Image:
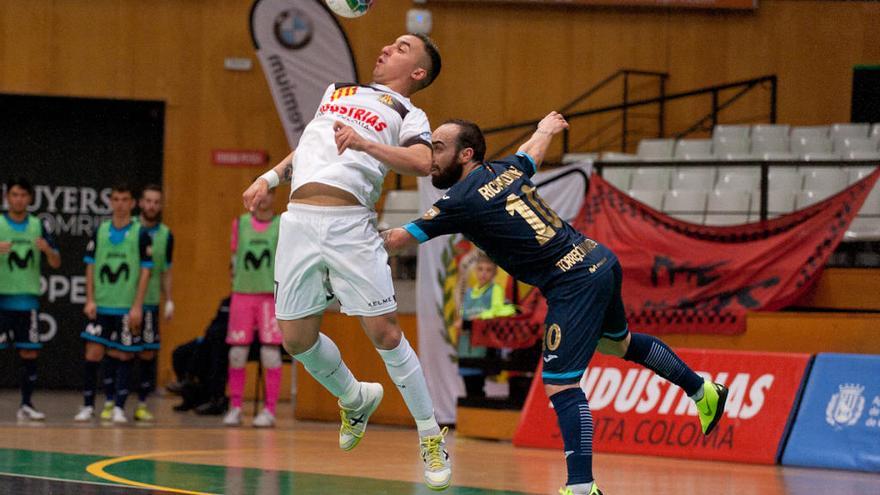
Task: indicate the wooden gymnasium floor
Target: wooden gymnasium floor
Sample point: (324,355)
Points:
(186,454)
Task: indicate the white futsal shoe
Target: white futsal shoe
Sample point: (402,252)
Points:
(86,413)
(438,470)
(233,417)
(119,416)
(354,421)
(28,413)
(264,420)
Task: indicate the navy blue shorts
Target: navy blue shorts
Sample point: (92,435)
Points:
(148,340)
(19,329)
(111,331)
(578,315)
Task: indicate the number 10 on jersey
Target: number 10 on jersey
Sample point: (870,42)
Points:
(540,217)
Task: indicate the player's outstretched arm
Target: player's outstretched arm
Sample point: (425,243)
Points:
(537,145)
(397,239)
(279,174)
(405,160)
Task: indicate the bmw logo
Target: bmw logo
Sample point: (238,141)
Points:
(293,29)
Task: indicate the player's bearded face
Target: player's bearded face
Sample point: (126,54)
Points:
(447,173)
(151,205)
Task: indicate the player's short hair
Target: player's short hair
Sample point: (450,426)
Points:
(122,187)
(22,183)
(152,187)
(469,136)
(435,62)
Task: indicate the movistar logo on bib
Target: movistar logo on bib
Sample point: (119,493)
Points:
(109,276)
(22,262)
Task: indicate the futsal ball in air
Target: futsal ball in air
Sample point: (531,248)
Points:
(349,8)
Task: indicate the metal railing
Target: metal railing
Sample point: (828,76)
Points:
(625,74)
(717,105)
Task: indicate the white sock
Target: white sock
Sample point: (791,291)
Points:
(406,372)
(324,362)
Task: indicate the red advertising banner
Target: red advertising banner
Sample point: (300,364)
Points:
(687,278)
(637,412)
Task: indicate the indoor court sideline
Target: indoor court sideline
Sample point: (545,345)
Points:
(190,455)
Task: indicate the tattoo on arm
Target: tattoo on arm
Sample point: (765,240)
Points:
(288,172)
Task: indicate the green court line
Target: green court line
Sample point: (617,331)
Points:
(214,479)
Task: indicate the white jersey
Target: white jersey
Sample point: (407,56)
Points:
(376,113)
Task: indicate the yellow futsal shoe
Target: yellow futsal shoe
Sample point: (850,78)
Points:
(107,412)
(438,470)
(711,406)
(354,421)
(567,490)
(142,413)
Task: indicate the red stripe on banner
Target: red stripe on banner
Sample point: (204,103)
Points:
(637,412)
(688,278)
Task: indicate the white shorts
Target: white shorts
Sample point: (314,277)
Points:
(331,251)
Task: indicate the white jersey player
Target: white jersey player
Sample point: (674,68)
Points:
(329,246)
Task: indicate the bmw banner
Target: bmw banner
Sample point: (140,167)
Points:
(302,49)
(838,422)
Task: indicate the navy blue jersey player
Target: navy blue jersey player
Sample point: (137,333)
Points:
(495,205)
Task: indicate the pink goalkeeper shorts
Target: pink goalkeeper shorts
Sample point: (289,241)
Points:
(249,312)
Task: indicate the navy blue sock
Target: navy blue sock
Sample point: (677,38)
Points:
(147,378)
(123,377)
(90,382)
(653,354)
(109,381)
(28,380)
(576,424)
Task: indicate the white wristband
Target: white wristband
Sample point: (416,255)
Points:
(272,178)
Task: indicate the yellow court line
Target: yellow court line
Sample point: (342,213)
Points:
(97,469)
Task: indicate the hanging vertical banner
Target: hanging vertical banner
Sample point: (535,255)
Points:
(443,261)
(302,49)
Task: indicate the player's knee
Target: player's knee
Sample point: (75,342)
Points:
(121,356)
(94,352)
(297,343)
(270,356)
(551,389)
(238,355)
(383,331)
(28,353)
(614,347)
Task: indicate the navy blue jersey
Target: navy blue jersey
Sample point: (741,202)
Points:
(498,209)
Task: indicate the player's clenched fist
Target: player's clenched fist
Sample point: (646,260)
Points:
(553,123)
(257,191)
(347,138)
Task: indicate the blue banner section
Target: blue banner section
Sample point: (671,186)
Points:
(838,423)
